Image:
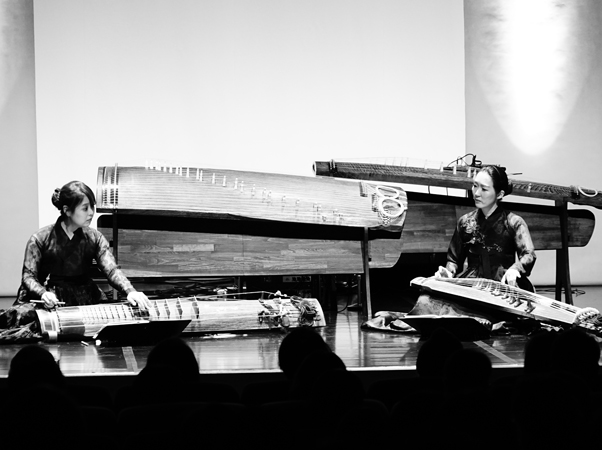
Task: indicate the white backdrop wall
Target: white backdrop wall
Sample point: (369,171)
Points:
(19,179)
(266,85)
(534,102)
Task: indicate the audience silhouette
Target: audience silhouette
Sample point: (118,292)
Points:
(538,353)
(434,353)
(576,352)
(429,377)
(295,347)
(37,385)
(452,389)
(34,365)
(313,367)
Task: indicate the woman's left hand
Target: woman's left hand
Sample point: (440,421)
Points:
(140,299)
(511,276)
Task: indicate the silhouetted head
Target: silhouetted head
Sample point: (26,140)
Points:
(175,356)
(311,369)
(538,353)
(296,346)
(34,365)
(434,353)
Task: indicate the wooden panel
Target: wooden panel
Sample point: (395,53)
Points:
(429,227)
(431,221)
(166,253)
(153,253)
(197,247)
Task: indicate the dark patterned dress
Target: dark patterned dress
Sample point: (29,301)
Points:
(489,246)
(55,263)
(484,248)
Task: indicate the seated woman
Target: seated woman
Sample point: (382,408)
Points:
(488,242)
(58,259)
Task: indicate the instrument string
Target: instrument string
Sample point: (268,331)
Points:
(528,187)
(182,308)
(309,211)
(516,292)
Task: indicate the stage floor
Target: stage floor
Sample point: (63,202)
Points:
(257,352)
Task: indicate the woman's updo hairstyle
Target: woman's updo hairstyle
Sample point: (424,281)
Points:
(499,178)
(71,195)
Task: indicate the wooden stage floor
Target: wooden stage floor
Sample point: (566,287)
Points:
(372,354)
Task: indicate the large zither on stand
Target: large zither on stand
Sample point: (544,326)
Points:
(178,222)
(432,218)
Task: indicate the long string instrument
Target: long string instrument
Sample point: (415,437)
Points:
(159,189)
(489,294)
(403,170)
(206,314)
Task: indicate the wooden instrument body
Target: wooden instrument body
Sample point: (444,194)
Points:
(206,316)
(183,246)
(432,219)
(157,246)
(449,177)
(479,293)
(203,222)
(235,195)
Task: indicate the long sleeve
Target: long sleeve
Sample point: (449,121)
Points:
(455,255)
(31,267)
(524,245)
(108,265)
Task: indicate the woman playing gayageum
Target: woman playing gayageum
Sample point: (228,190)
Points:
(57,264)
(488,242)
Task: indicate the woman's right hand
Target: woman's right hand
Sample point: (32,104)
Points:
(443,273)
(50,300)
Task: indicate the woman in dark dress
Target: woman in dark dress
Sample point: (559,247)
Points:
(488,242)
(58,259)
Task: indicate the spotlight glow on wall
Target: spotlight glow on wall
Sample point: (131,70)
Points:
(531,59)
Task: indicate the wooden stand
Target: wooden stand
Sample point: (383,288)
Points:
(367,305)
(563,273)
